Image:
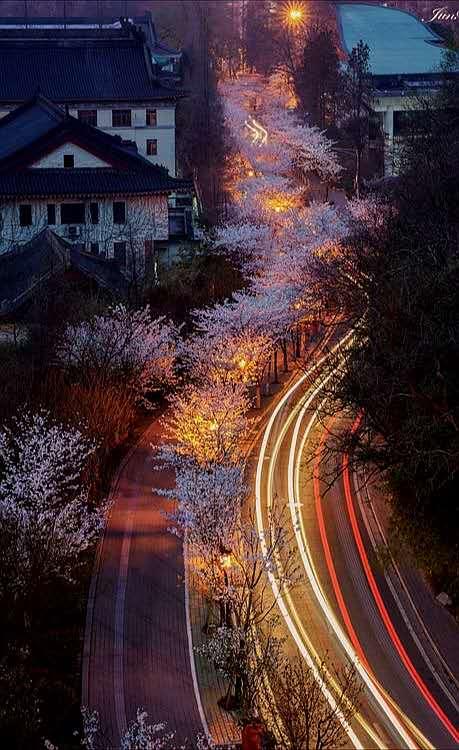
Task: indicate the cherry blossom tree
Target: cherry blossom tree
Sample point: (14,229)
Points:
(209,502)
(251,607)
(126,344)
(209,423)
(232,343)
(46,519)
(141,735)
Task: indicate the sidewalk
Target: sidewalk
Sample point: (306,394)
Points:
(221,724)
(136,651)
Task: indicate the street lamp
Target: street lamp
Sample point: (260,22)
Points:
(226,562)
(294,14)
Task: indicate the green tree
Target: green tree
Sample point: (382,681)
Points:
(318,80)
(398,279)
(357,88)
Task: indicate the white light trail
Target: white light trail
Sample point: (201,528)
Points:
(312,575)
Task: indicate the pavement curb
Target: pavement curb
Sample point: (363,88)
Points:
(89,619)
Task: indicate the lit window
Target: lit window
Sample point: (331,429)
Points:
(152,147)
(152,118)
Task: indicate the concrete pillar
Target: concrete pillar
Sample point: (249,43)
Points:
(389,141)
(389,123)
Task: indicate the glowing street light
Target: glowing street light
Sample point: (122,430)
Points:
(294,14)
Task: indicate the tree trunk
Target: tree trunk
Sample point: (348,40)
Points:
(358,168)
(276,372)
(285,354)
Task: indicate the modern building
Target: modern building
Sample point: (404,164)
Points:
(406,59)
(113,75)
(92,189)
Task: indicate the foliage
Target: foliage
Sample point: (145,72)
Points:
(398,276)
(126,345)
(140,735)
(307,719)
(317,82)
(45,516)
(357,95)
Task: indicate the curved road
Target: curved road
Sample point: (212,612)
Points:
(136,651)
(345,607)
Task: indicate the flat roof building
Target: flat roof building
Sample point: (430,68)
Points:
(406,58)
(399,42)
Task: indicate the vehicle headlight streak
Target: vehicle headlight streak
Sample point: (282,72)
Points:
(301,640)
(258,132)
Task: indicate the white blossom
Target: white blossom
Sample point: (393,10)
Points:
(209,422)
(45,517)
(126,343)
(141,735)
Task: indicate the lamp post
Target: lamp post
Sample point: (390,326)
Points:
(226,562)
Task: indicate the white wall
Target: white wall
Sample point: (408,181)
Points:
(82,158)
(140,132)
(146,218)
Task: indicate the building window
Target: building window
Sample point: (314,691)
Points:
(94,248)
(51,214)
(72,213)
(89,116)
(25,215)
(152,118)
(121,118)
(94,212)
(69,161)
(119,251)
(119,212)
(152,147)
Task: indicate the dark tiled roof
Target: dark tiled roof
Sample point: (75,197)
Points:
(88,181)
(105,272)
(70,71)
(22,128)
(44,257)
(23,268)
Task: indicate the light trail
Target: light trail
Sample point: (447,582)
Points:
(300,640)
(338,593)
(259,133)
(275,588)
(301,536)
(449,726)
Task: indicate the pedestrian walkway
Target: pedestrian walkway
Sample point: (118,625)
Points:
(136,651)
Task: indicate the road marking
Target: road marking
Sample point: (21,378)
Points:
(300,532)
(121,585)
(277,594)
(407,592)
(417,679)
(194,675)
